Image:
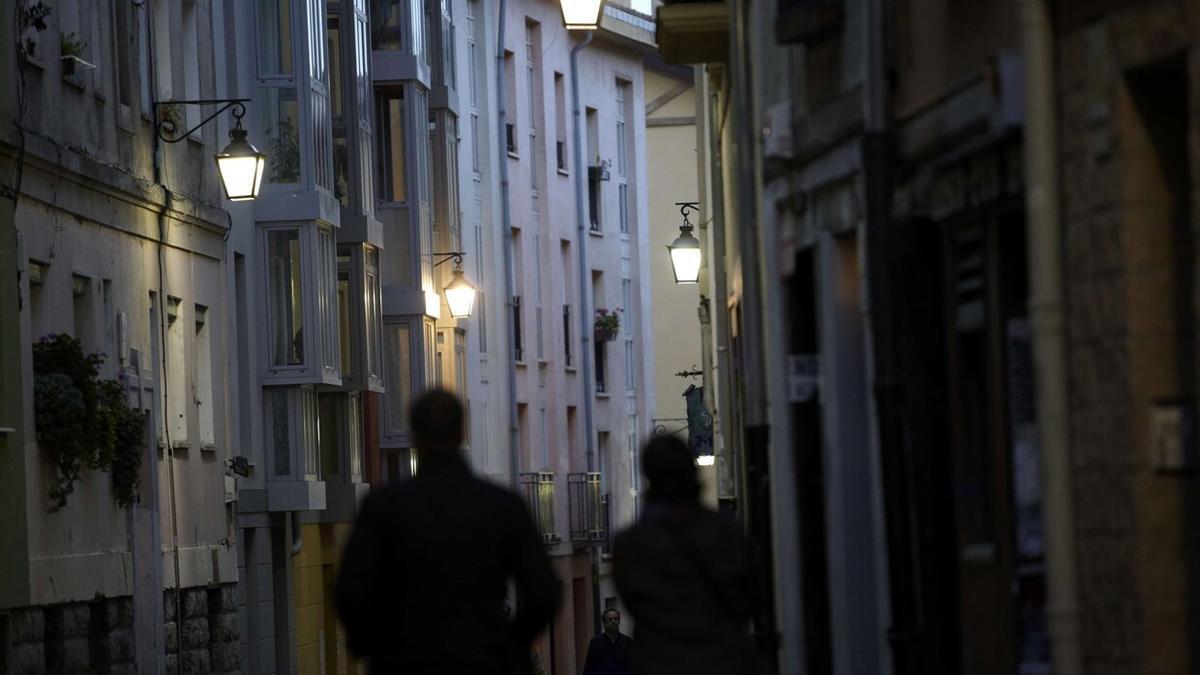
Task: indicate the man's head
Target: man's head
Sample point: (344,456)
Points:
(671,470)
(612,621)
(437,421)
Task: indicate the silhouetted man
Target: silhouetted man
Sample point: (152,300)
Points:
(685,574)
(608,652)
(424,576)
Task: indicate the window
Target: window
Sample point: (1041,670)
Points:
(460,364)
(601,366)
(281,122)
(537,296)
(392,171)
(510,102)
(623,205)
(374,299)
(518,351)
(560,121)
(532,89)
(203,380)
(622,141)
(191,64)
(345,312)
(341,156)
(399,373)
(629,365)
(286,300)
(144,73)
(327,300)
(627,305)
(566,326)
(123,37)
(329,430)
(387,25)
(596,171)
(319,128)
(174,385)
(274,38)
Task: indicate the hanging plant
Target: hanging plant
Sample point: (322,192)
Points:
(127,455)
(83,421)
(31,19)
(59,413)
(71,51)
(606,325)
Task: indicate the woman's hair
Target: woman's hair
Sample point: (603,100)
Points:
(671,470)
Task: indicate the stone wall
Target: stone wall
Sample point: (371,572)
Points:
(97,637)
(1123,335)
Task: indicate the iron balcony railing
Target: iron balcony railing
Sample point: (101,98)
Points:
(587,508)
(538,488)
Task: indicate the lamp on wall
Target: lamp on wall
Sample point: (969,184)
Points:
(685,250)
(460,294)
(581,14)
(240,164)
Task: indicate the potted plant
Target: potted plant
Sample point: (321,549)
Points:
(606,325)
(72,48)
(599,172)
(32,21)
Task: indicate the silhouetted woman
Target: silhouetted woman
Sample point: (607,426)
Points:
(684,573)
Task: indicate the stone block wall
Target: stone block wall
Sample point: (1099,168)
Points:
(96,638)
(1118,257)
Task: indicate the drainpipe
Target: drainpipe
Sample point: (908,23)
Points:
(585,314)
(158,155)
(514,448)
(1048,319)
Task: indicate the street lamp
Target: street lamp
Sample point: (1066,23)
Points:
(581,14)
(460,294)
(240,164)
(685,250)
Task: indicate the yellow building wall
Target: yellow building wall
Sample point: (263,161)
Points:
(320,638)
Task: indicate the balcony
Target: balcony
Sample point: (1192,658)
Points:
(693,32)
(589,525)
(538,489)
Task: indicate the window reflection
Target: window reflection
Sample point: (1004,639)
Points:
(387,25)
(275,37)
(281,120)
(391,147)
(287,302)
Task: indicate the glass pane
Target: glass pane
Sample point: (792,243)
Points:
(280,434)
(373,319)
(275,37)
(387,24)
(354,435)
(287,304)
(341,169)
(398,347)
(281,120)
(328,432)
(334,36)
(343,290)
(322,136)
(417,15)
(327,302)
(391,148)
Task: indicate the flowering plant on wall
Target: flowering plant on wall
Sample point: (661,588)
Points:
(82,421)
(607,324)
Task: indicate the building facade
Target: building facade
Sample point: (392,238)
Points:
(273,346)
(119,243)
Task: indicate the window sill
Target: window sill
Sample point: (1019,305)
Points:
(33,61)
(571,369)
(74,81)
(603,394)
(595,233)
(564,172)
(521,364)
(208,448)
(513,155)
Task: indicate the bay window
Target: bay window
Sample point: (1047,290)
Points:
(301,284)
(359,307)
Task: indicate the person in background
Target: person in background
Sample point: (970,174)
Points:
(685,575)
(423,579)
(608,652)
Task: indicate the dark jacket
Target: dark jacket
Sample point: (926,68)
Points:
(608,657)
(685,575)
(422,583)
